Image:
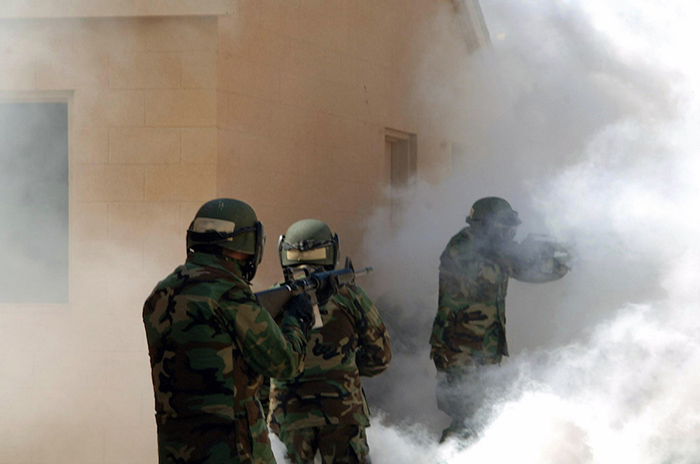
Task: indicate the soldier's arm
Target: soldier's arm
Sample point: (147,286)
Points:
(271,350)
(453,293)
(374,344)
(452,271)
(539,271)
(538,259)
(449,289)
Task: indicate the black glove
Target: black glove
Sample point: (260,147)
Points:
(325,293)
(300,307)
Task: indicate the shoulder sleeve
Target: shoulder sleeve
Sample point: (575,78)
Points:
(539,271)
(269,349)
(466,277)
(374,344)
(451,274)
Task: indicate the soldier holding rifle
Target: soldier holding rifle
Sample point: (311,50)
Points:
(324,409)
(469,330)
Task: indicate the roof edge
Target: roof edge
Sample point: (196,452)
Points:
(21,9)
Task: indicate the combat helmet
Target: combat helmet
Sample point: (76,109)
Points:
(493,210)
(310,242)
(230,224)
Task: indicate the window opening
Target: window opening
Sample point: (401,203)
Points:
(34,202)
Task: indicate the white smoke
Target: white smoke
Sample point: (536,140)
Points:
(591,135)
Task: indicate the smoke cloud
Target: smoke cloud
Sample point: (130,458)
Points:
(583,115)
(584,120)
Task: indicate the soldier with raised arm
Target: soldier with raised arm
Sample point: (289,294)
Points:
(469,330)
(324,409)
(210,343)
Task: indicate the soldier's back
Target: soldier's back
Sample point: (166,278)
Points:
(195,364)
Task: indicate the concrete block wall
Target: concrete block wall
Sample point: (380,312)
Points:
(142,98)
(283,104)
(306,91)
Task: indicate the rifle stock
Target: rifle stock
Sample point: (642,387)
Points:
(274,299)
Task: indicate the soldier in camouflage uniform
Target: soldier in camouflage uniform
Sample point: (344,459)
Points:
(469,330)
(210,343)
(324,409)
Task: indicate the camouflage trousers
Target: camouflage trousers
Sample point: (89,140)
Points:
(460,395)
(201,442)
(337,444)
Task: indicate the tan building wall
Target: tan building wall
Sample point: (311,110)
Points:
(75,383)
(282,104)
(307,91)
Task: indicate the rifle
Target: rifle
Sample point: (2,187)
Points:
(539,258)
(274,299)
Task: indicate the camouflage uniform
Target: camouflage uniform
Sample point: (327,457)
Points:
(325,408)
(471,318)
(469,330)
(210,344)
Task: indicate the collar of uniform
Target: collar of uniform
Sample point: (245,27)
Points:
(222,262)
(502,255)
(478,241)
(468,233)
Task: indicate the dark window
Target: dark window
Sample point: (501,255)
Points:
(401,151)
(401,155)
(34,202)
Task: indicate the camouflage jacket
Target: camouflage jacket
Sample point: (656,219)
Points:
(352,342)
(210,344)
(470,325)
(471,317)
